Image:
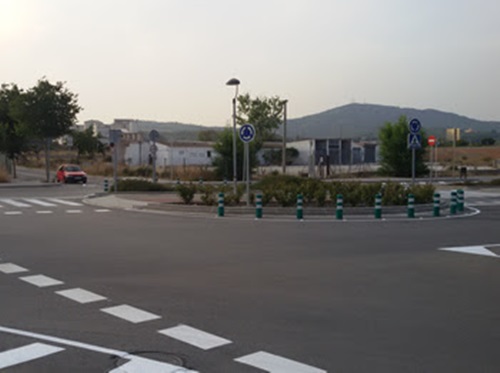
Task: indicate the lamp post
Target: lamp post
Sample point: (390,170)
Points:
(283,151)
(234,82)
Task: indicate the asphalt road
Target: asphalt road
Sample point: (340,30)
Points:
(306,297)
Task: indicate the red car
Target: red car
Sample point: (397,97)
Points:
(70,173)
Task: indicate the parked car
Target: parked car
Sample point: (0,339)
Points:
(70,173)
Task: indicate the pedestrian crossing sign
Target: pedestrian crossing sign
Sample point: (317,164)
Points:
(414,141)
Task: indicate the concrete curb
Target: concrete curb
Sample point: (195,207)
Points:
(28,185)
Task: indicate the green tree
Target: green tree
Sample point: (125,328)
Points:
(13,136)
(265,113)
(48,110)
(395,156)
(86,143)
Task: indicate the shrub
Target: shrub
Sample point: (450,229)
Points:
(186,192)
(208,194)
(286,194)
(422,193)
(137,185)
(394,194)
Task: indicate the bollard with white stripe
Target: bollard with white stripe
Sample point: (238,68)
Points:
(453,203)
(378,206)
(106,186)
(460,202)
(437,204)
(220,208)
(258,206)
(340,207)
(300,212)
(411,206)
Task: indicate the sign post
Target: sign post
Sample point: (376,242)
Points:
(247,135)
(153,149)
(431,141)
(414,143)
(114,139)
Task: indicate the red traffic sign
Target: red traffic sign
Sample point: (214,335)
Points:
(431,140)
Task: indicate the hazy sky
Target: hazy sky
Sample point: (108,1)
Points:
(169,60)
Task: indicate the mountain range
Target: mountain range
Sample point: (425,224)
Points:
(353,120)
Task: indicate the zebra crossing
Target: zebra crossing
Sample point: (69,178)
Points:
(42,206)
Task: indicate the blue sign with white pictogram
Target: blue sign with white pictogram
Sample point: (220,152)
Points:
(247,132)
(414,141)
(415,126)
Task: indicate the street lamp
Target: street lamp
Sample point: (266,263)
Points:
(234,82)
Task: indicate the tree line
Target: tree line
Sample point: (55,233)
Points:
(36,115)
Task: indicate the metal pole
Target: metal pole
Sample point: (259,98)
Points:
(432,163)
(115,166)
(235,177)
(283,156)
(153,153)
(247,169)
(413,165)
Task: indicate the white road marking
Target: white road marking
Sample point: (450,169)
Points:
(9,268)
(44,212)
(27,353)
(195,337)
(39,202)
(131,314)
(476,250)
(13,213)
(14,203)
(81,295)
(41,281)
(140,365)
(102,210)
(64,202)
(276,364)
(73,211)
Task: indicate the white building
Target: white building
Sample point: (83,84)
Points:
(175,153)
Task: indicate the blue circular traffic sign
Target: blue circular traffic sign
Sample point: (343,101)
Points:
(247,132)
(415,126)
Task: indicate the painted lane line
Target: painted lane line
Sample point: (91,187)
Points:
(13,213)
(41,281)
(475,250)
(140,365)
(44,212)
(39,202)
(64,202)
(74,211)
(195,337)
(9,268)
(276,364)
(14,203)
(27,353)
(102,210)
(81,295)
(131,314)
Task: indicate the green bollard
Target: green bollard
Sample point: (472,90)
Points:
(437,204)
(106,186)
(378,206)
(201,181)
(411,206)
(460,197)
(220,209)
(340,207)
(258,206)
(453,203)
(300,212)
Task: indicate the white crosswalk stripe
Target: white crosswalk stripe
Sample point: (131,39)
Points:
(27,353)
(64,202)
(14,203)
(39,202)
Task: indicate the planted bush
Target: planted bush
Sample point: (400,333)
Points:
(137,185)
(186,192)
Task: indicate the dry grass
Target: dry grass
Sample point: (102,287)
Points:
(485,156)
(4,176)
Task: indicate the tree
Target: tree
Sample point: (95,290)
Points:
(266,115)
(396,158)
(86,143)
(13,136)
(49,111)
(487,141)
